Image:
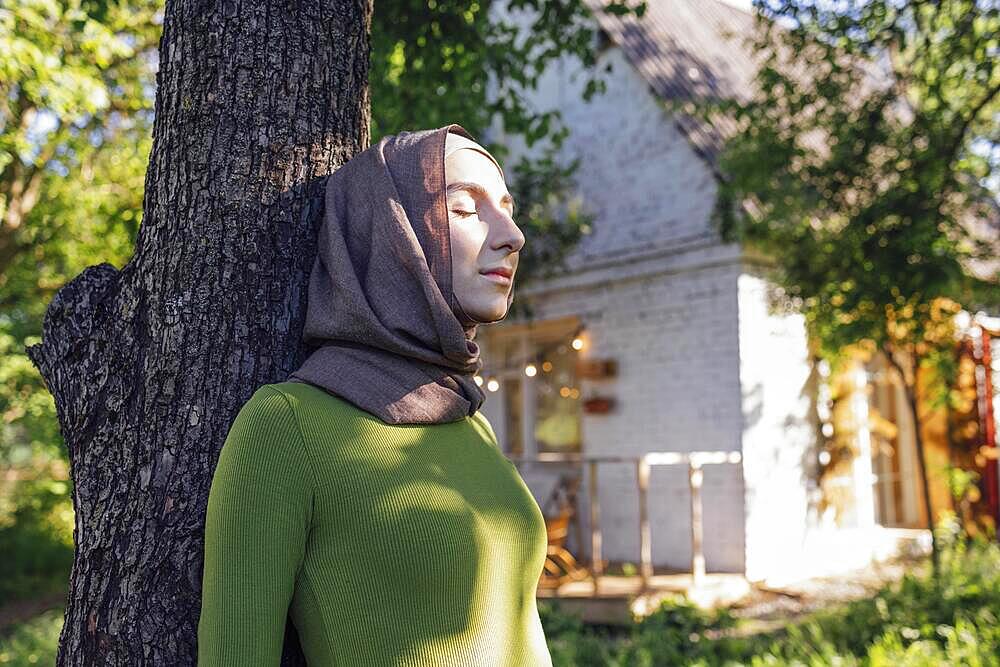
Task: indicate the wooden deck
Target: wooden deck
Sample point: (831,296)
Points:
(846,554)
(619,598)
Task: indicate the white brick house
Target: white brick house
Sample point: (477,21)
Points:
(701,362)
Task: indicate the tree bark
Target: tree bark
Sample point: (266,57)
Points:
(256,103)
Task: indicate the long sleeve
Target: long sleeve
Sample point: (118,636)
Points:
(257,521)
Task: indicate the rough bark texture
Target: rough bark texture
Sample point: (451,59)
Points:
(256,103)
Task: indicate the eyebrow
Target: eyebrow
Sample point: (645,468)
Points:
(480,190)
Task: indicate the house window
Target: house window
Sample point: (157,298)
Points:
(541,412)
(557,401)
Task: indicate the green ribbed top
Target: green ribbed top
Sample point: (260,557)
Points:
(409,545)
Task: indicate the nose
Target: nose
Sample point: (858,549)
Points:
(504,232)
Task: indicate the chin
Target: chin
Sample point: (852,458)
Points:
(491,312)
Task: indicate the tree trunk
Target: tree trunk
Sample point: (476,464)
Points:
(925,485)
(256,103)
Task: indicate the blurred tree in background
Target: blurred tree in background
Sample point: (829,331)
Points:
(865,171)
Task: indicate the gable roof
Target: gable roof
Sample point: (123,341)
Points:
(688,50)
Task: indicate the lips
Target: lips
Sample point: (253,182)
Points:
(500,271)
(500,276)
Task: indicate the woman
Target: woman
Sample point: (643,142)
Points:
(367,497)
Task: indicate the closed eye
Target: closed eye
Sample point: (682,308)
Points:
(481,192)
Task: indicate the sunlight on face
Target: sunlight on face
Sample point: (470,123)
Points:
(484,235)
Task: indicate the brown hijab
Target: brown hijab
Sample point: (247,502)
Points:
(393,339)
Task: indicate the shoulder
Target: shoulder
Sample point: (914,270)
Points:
(267,410)
(484,423)
(265,436)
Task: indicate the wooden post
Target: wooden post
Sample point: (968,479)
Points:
(596,566)
(989,422)
(695,474)
(645,542)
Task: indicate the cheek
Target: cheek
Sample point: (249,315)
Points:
(465,245)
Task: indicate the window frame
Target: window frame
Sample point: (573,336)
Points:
(525,338)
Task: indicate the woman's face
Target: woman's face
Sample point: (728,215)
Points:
(484,236)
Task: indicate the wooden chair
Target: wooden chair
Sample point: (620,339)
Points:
(559,511)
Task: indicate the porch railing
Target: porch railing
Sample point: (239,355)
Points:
(695,461)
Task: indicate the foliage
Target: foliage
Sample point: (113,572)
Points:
(34,642)
(74,81)
(675,634)
(571,642)
(75,103)
(869,147)
(36,539)
(73,149)
(439,62)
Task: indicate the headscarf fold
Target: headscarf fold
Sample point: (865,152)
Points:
(393,339)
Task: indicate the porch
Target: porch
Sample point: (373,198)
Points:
(587,587)
(602,592)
